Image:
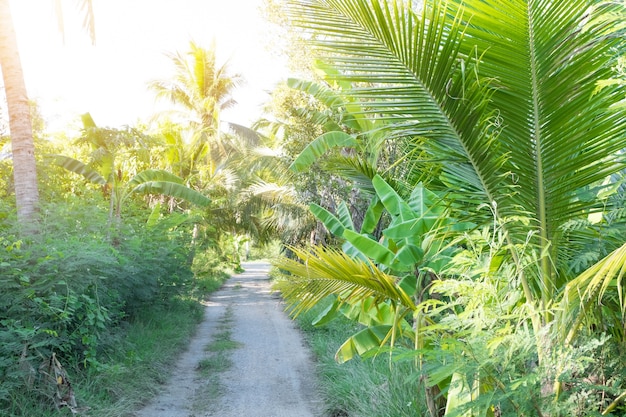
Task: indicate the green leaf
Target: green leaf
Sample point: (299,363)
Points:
(154,215)
(369,312)
(344,215)
(328,314)
(369,247)
(413,228)
(423,202)
(154,175)
(459,394)
(372,216)
(319,272)
(321,145)
(409,256)
(321,92)
(363,342)
(173,190)
(166,183)
(409,284)
(395,205)
(79,168)
(332,223)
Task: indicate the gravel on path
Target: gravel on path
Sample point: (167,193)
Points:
(272,374)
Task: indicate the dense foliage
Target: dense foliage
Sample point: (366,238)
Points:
(132,221)
(487,138)
(68,288)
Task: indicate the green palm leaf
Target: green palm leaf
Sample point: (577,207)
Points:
(501,94)
(588,291)
(321,272)
(411,74)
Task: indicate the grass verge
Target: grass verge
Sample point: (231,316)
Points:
(138,359)
(374,387)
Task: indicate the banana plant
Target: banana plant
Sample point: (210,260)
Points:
(381,283)
(147,182)
(105,171)
(413,248)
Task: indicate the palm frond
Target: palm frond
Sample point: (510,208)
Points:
(409,72)
(320,272)
(558,129)
(590,291)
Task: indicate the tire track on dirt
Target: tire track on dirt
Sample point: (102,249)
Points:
(272,374)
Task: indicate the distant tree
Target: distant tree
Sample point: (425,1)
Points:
(107,145)
(200,89)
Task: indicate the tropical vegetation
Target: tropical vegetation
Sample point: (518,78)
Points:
(445,181)
(491,251)
(132,223)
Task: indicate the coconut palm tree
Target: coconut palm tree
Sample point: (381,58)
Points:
(20,125)
(200,88)
(122,181)
(22,144)
(504,93)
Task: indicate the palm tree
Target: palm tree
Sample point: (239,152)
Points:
(200,88)
(516,114)
(122,181)
(504,97)
(22,144)
(20,125)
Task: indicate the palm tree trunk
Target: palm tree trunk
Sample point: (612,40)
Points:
(20,125)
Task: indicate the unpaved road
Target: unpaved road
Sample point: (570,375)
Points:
(271,373)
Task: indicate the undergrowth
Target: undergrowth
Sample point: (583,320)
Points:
(113,314)
(372,387)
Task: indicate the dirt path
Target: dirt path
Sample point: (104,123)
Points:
(271,373)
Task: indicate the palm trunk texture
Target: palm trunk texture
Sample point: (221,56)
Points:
(22,144)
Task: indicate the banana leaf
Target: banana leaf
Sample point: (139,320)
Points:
(321,145)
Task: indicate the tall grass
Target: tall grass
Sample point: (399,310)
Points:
(371,387)
(139,358)
(143,358)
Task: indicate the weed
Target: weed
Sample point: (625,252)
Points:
(214,363)
(221,345)
(373,387)
(217,362)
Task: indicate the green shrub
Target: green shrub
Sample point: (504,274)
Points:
(68,288)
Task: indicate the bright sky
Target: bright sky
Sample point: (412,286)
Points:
(109,79)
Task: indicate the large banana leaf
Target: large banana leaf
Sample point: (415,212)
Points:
(365,341)
(154,175)
(166,183)
(79,168)
(332,223)
(321,145)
